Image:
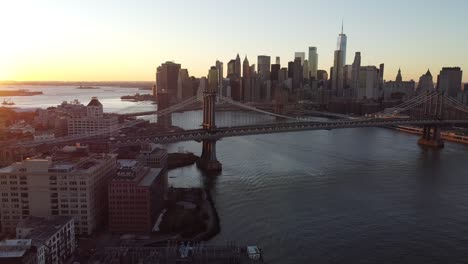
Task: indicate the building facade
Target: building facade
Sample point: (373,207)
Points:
(91,119)
(136,196)
(53,237)
(399,89)
(166,79)
(313,62)
(449,81)
(70,183)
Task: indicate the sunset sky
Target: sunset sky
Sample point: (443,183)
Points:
(125,40)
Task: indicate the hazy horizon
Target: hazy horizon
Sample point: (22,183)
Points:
(123,41)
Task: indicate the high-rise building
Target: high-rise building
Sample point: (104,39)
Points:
(166,79)
(212,80)
(300,54)
(263,64)
(275,71)
(278,60)
(337,74)
(368,83)
(341,45)
(73,182)
(184,85)
(238,70)
(298,73)
(449,81)
(231,69)
(426,83)
(246,80)
(322,75)
(356,68)
(305,69)
(313,62)
(283,74)
(219,66)
(290,69)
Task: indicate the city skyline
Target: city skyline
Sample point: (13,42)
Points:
(125,42)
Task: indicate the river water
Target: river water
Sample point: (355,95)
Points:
(367,195)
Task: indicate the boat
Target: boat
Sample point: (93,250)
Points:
(87,87)
(8,102)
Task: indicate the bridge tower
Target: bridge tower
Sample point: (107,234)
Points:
(208,160)
(432,109)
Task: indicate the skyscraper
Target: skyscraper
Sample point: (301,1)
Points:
(305,68)
(301,55)
(298,73)
(356,68)
(166,79)
(238,71)
(246,81)
(450,81)
(264,67)
(313,62)
(278,60)
(341,45)
(275,72)
(219,66)
(337,74)
(426,83)
(231,68)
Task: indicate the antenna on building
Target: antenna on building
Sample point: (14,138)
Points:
(342,26)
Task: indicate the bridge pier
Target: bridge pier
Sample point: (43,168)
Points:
(208,160)
(431,137)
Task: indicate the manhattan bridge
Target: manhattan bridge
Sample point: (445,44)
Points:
(430,111)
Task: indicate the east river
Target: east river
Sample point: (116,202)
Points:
(369,195)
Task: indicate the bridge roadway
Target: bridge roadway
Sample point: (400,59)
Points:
(201,134)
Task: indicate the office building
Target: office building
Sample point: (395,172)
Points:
(275,72)
(73,182)
(231,69)
(426,83)
(166,79)
(136,196)
(278,60)
(237,68)
(313,63)
(341,45)
(219,67)
(368,83)
(246,80)
(355,74)
(449,81)
(337,81)
(263,64)
(298,74)
(91,119)
(53,237)
(322,75)
(300,55)
(399,89)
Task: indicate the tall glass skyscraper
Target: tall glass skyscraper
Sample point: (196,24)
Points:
(313,62)
(341,44)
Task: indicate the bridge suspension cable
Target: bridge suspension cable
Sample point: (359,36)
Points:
(252,108)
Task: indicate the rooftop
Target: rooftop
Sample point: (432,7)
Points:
(94,102)
(14,248)
(41,229)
